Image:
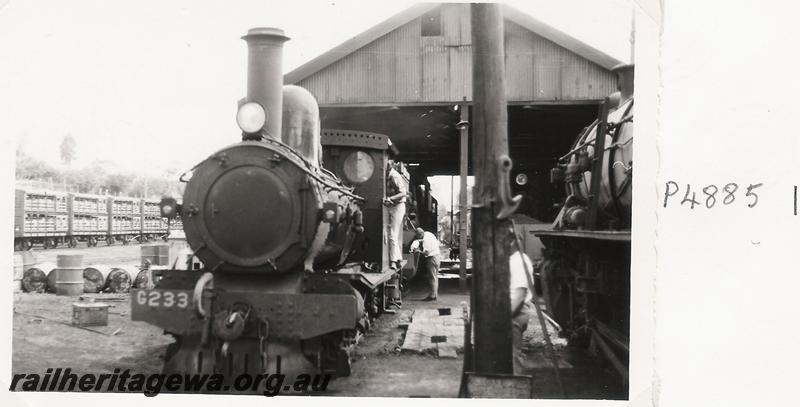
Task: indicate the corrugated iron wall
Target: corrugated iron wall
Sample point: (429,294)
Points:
(405,67)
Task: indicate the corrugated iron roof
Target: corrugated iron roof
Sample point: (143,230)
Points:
(398,20)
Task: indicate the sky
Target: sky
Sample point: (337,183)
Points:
(153,85)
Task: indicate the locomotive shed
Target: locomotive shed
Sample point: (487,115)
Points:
(410,78)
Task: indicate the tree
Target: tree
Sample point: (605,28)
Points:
(118,182)
(31,168)
(68,149)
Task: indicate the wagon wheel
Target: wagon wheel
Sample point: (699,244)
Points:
(91,241)
(54,243)
(73,242)
(48,243)
(125,240)
(110,240)
(28,243)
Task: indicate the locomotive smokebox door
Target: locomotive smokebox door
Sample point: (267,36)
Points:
(246,207)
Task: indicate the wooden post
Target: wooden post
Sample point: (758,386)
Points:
(452,206)
(462,199)
(490,291)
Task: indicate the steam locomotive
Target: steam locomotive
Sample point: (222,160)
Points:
(585,275)
(294,254)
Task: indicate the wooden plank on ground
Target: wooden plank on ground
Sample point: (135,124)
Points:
(439,332)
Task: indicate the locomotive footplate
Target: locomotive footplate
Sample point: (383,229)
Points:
(384,286)
(610,235)
(369,281)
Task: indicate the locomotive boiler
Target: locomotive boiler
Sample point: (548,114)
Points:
(294,263)
(585,275)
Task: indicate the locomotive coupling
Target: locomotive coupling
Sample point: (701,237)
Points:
(229,325)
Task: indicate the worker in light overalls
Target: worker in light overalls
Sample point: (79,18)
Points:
(395,201)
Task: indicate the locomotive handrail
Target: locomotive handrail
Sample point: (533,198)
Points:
(197,295)
(305,168)
(586,131)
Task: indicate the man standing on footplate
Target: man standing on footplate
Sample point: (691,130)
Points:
(395,202)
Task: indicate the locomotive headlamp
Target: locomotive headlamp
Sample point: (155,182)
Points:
(168,207)
(251,117)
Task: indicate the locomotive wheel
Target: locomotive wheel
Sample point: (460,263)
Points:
(91,241)
(110,240)
(124,240)
(54,243)
(73,242)
(48,243)
(28,244)
(186,355)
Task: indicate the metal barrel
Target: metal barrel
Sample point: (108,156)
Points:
(156,254)
(120,279)
(22,262)
(131,271)
(69,274)
(94,278)
(34,279)
(19,270)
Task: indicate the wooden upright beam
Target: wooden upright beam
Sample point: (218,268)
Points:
(490,291)
(462,199)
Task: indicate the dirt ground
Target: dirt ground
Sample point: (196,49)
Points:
(43,338)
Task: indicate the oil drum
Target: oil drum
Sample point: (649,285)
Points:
(69,274)
(34,279)
(94,278)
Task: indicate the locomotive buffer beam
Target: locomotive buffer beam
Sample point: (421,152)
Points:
(290,316)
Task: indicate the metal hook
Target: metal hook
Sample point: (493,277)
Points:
(508,203)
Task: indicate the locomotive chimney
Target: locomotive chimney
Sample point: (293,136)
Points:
(264,76)
(624,81)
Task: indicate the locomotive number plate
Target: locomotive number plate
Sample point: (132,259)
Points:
(177,299)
